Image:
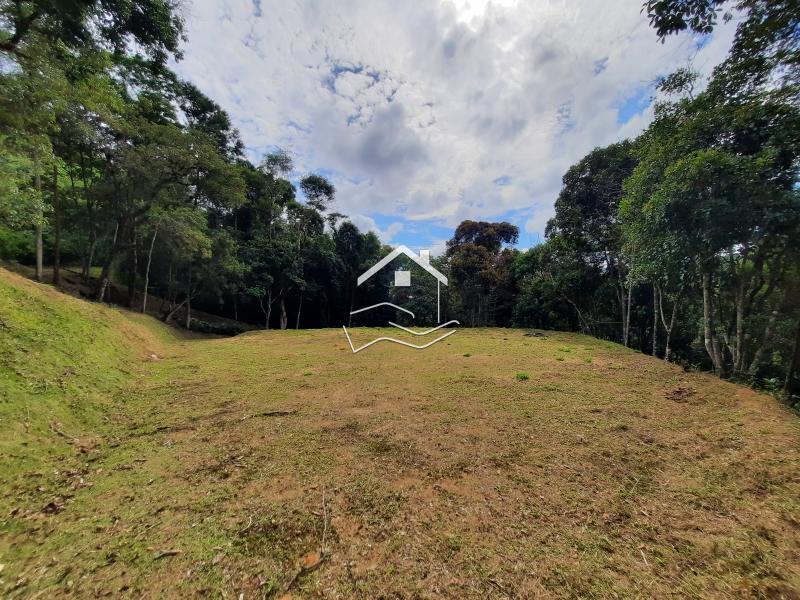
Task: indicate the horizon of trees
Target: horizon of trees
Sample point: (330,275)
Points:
(683,242)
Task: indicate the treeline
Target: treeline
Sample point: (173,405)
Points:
(683,243)
(138,180)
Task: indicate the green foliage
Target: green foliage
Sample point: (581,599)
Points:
(21,205)
(481,271)
(689,233)
(668,17)
(319,192)
(154,25)
(766,48)
(224,328)
(687,236)
(278,163)
(15,244)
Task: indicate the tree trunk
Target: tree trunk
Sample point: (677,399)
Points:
(133,266)
(170,286)
(738,349)
(106,274)
(623,301)
(765,343)
(57,241)
(269,309)
(87,269)
(655,320)
(147,270)
(626,331)
(709,332)
(795,361)
(284,318)
(668,328)
(189,300)
(265,311)
(350,314)
(299,308)
(173,310)
(38,233)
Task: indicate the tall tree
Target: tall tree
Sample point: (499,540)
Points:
(319,192)
(587,223)
(480,268)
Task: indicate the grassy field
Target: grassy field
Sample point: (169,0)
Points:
(140,462)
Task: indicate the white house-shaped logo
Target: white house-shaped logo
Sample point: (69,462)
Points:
(403,278)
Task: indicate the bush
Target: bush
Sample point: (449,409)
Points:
(217,328)
(17,245)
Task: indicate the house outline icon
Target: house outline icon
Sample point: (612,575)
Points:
(402,278)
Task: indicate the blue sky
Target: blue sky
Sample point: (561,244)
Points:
(430,112)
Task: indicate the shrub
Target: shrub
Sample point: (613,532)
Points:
(217,328)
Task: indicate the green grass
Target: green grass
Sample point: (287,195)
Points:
(66,368)
(61,363)
(209,466)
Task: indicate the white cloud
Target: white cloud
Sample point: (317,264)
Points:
(438,247)
(367,223)
(418,109)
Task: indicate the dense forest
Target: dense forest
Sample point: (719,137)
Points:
(683,243)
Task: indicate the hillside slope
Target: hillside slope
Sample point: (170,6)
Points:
(61,362)
(66,366)
(275,464)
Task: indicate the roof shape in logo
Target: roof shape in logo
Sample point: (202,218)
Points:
(394,254)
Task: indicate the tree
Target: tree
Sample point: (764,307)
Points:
(765,50)
(278,163)
(184,243)
(480,268)
(161,165)
(205,115)
(21,205)
(319,192)
(30,97)
(715,194)
(355,252)
(587,223)
(272,267)
(559,290)
(153,25)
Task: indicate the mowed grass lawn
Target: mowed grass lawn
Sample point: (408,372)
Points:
(142,463)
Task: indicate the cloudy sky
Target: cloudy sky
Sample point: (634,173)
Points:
(427,112)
